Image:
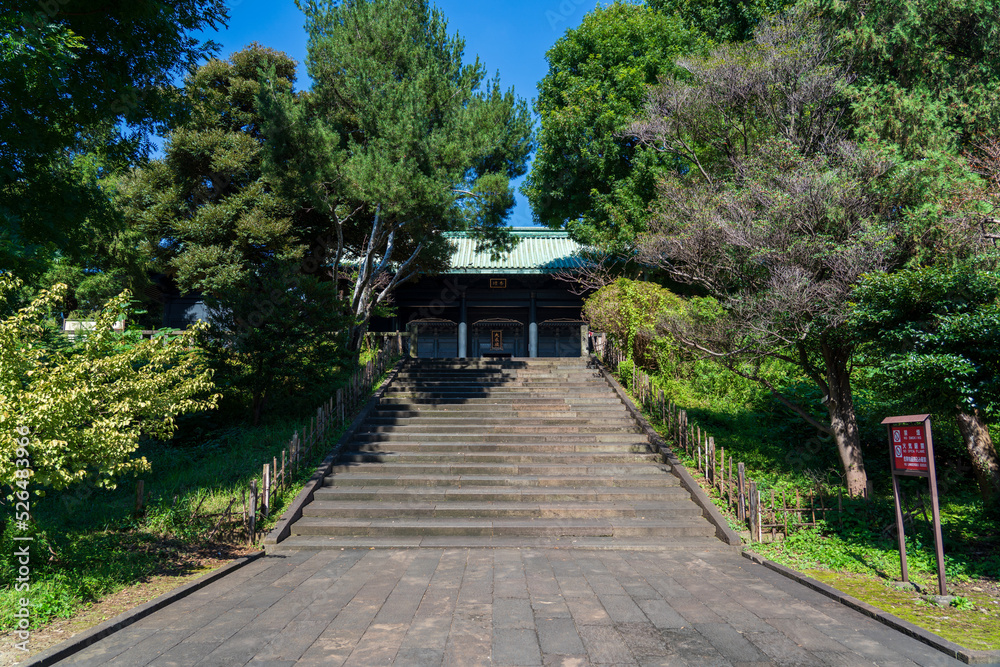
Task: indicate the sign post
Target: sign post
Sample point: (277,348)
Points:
(912,455)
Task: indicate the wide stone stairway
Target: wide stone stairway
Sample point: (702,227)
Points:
(501,453)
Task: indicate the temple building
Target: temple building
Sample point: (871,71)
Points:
(512,307)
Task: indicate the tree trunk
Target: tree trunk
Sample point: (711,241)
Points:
(985,464)
(843,422)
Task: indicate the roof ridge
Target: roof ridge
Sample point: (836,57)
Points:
(517,231)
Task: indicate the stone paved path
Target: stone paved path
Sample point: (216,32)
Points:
(506,607)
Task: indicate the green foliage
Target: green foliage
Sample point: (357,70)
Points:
(83,410)
(628,311)
(77,95)
(398,140)
(935,334)
(928,72)
(87,291)
(588,175)
(275,335)
(206,214)
(721,20)
(962,603)
(865,543)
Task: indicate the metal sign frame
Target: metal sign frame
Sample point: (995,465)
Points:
(892,425)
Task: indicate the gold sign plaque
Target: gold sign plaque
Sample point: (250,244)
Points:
(496,339)
(498,283)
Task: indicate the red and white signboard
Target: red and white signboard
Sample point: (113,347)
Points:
(909,449)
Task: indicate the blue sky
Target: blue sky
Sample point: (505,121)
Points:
(509,37)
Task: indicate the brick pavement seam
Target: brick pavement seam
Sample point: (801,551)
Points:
(708,508)
(968,656)
(75,644)
(283,529)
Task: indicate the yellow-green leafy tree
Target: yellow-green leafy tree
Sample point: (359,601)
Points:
(80,412)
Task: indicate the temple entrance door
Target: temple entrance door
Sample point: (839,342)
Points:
(559,340)
(498,338)
(437,341)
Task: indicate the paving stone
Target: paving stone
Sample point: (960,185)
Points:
(470,639)
(604,645)
(661,614)
(693,647)
(445,612)
(566,661)
(513,613)
(588,611)
(622,609)
(642,639)
(418,657)
(185,654)
(290,642)
(730,642)
(550,606)
(781,650)
(513,646)
(559,636)
(378,645)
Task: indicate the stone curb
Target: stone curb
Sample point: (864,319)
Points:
(283,529)
(708,508)
(77,643)
(951,649)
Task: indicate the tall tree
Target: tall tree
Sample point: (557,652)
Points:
(78,94)
(935,336)
(778,216)
(211,219)
(721,20)
(397,141)
(589,175)
(206,214)
(927,72)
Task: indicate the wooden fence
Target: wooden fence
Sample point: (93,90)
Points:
(764,512)
(253,504)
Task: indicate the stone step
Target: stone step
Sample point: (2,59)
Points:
(460,411)
(490,453)
(471,429)
(499,402)
(503,393)
(693,545)
(515,448)
(567,386)
(381,419)
(381,510)
(455,456)
(557,527)
(525,494)
(515,363)
(500,374)
(499,381)
(515,397)
(515,377)
(427,479)
(532,438)
(498,469)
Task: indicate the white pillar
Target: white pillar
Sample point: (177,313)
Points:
(532,329)
(463,331)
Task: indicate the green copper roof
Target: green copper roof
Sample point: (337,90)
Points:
(539,251)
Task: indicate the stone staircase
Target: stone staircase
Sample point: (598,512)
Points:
(512,453)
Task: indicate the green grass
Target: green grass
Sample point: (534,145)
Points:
(781,453)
